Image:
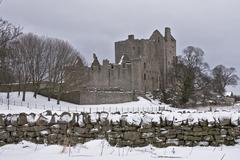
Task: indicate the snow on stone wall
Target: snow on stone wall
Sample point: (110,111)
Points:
(161,129)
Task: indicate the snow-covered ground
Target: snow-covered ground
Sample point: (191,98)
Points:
(41,104)
(101,150)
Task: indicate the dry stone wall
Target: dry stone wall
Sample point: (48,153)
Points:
(132,129)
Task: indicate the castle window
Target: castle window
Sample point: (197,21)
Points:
(133,48)
(144,76)
(158,39)
(112,66)
(144,65)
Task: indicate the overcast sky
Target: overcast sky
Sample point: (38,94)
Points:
(94,25)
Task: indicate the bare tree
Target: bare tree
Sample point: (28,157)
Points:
(30,61)
(61,54)
(190,74)
(39,59)
(222,77)
(22,59)
(8,32)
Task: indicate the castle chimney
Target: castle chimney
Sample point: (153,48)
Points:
(131,37)
(167,32)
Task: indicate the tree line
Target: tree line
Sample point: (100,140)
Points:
(28,58)
(193,81)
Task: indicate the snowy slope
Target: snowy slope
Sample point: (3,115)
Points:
(41,104)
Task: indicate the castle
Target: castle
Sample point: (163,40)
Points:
(141,65)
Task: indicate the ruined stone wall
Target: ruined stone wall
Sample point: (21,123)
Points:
(105,97)
(116,129)
(16,87)
(111,76)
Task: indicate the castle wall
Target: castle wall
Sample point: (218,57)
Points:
(111,76)
(105,97)
(131,47)
(136,83)
(75,77)
(154,59)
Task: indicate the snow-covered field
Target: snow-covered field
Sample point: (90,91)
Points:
(41,104)
(101,150)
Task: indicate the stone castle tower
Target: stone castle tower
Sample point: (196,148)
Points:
(140,65)
(151,59)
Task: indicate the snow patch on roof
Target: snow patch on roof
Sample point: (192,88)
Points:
(121,60)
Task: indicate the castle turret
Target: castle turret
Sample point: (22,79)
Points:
(167,33)
(170,53)
(131,37)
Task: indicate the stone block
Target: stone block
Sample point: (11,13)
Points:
(52,138)
(11,128)
(131,136)
(42,121)
(224,122)
(147,135)
(208,138)
(22,119)
(172,142)
(4,135)
(197,129)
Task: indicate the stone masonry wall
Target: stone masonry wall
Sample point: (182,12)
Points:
(105,97)
(132,129)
